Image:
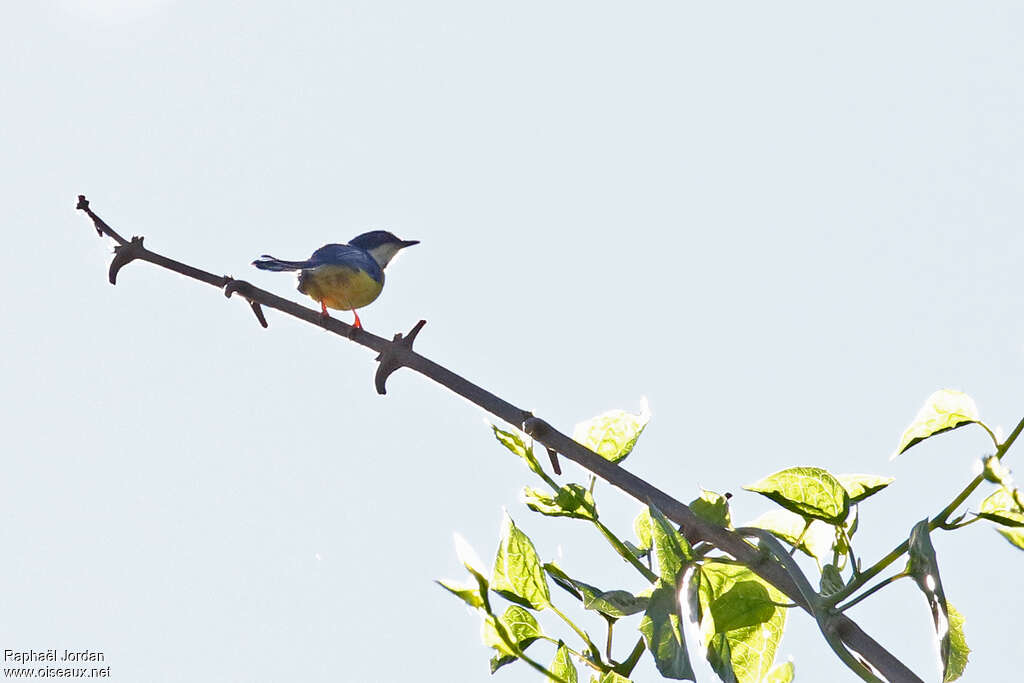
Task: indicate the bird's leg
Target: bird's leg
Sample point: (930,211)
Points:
(323,310)
(358,324)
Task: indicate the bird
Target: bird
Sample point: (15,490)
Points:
(343,276)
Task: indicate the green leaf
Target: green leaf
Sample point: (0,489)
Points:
(958,649)
(672,550)
(469,593)
(517,574)
(521,445)
(781,673)
(642,529)
(521,625)
(816,542)
(831,580)
(610,677)
(740,623)
(489,633)
(807,491)
(745,603)
(581,591)
(996,472)
(1001,508)
(860,486)
(500,660)
(637,552)
(471,562)
(662,631)
(562,665)
(942,411)
(520,628)
(612,435)
(712,507)
(572,500)
(616,603)
(1014,536)
(924,568)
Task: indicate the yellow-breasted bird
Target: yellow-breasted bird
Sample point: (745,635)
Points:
(343,276)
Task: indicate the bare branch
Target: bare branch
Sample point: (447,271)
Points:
(398,353)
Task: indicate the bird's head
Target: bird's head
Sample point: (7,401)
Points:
(381,245)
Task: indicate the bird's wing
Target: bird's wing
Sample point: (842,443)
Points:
(345,255)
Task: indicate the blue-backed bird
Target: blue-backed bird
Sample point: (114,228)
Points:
(343,276)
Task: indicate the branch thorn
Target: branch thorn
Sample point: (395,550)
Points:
(242,288)
(389,360)
(123,255)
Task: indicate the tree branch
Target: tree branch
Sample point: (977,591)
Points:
(398,353)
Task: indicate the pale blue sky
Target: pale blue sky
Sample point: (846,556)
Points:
(784,224)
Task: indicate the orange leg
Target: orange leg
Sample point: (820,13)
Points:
(323,310)
(358,324)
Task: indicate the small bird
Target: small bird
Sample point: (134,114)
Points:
(343,276)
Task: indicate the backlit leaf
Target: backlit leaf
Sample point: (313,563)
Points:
(781,673)
(521,445)
(572,500)
(612,435)
(996,472)
(816,542)
(662,631)
(671,549)
(521,628)
(489,633)
(958,649)
(860,486)
(468,592)
(712,507)
(517,574)
(807,491)
(616,603)
(562,665)
(740,622)
(642,529)
(942,411)
(581,591)
(1001,508)
(1014,536)
(610,677)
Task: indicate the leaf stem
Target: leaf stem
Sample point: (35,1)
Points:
(582,634)
(800,539)
(624,552)
(626,668)
(608,644)
(880,586)
(991,434)
(578,655)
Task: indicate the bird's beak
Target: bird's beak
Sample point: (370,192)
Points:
(409,243)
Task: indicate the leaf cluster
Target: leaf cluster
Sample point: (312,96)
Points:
(698,592)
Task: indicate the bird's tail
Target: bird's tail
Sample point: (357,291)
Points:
(268,262)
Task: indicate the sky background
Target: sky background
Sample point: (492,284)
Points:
(784,225)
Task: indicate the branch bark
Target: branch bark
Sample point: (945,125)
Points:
(398,353)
